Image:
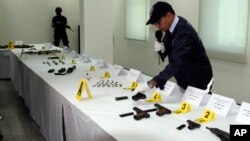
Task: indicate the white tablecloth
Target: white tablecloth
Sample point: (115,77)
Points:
(4,63)
(50,97)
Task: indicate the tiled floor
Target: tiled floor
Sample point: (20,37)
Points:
(17,124)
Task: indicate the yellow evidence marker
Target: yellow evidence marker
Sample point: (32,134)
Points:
(83,85)
(133,86)
(207,116)
(106,75)
(11,45)
(155,98)
(92,68)
(73,61)
(184,108)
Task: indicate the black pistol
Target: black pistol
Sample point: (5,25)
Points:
(140,114)
(162,110)
(139,96)
(224,136)
(193,125)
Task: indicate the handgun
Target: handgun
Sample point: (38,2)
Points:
(162,110)
(139,113)
(139,96)
(193,125)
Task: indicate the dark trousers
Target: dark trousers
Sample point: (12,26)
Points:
(63,36)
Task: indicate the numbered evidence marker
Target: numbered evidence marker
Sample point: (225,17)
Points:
(11,45)
(156,97)
(73,61)
(43,48)
(106,75)
(207,116)
(184,108)
(83,85)
(92,68)
(63,57)
(133,86)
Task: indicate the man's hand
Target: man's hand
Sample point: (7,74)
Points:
(159,47)
(152,84)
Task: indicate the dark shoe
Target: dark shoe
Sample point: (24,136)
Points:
(1,137)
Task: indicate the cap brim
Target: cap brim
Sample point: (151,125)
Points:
(148,22)
(151,21)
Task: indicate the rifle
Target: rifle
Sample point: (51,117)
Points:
(224,136)
(17,46)
(67,26)
(42,52)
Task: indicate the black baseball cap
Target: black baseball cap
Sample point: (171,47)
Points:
(158,10)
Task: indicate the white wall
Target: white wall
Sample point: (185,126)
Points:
(30,20)
(231,79)
(97,32)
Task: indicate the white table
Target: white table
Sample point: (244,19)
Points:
(97,119)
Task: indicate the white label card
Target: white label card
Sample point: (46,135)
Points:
(101,63)
(47,45)
(168,88)
(220,104)
(243,115)
(73,54)
(194,95)
(133,75)
(85,59)
(19,43)
(117,70)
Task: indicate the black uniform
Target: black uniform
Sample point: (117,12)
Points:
(60,23)
(188,61)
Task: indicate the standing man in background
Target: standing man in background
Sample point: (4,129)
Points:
(188,61)
(59,23)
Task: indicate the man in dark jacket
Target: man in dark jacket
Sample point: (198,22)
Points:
(59,23)
(188,61)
